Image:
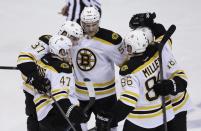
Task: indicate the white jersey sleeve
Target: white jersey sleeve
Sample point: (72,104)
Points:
(34,52)
(117,53)
(180,101)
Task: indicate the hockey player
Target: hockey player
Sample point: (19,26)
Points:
(94,58)
(140,102)
(180,101)
(73,8)
(56,70)
(27,65)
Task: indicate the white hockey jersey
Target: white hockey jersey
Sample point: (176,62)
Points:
(62,82)
(138,77)
(32,54)
(94,59)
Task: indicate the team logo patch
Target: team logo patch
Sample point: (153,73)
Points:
(123,68)
(64,65)
(86,59)
(115,36)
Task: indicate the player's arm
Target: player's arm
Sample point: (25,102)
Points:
(128,99)
(26,62)
(177,79)
(118,50)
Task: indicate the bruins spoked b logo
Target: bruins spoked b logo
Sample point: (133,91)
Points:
(86,59)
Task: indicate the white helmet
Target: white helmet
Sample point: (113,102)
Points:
(136,41)
(90,15)
(60,45)
(148,33)
(72,29)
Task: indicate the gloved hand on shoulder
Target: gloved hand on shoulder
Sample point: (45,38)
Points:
(142,19)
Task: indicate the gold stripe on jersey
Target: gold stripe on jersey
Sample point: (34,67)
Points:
(180,101)
(146,63)
(158,40)
(152,107)
(50,101)
(149,113)
(102,41)
(103,92)
(44,66)
(108,83)
(100,88)
(55,91)
(45,100)
(129,98)
(179,73)
(29,55)
(28,86)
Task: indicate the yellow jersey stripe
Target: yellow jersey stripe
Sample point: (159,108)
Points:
(146,63)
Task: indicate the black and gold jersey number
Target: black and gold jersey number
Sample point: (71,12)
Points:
(65,81)
(150,94)
(86,59)
(38,47)
(126,81)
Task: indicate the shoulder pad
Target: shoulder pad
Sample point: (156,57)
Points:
(137,61)
(57,64)
(45,38)
(109,36)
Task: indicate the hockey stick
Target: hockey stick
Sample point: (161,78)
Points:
(92,97)
(61,110)
(8,68)
(92,94)
(166,36)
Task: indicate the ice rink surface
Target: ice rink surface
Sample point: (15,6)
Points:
(22,21)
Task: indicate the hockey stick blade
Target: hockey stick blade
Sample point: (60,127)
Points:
(8,68)
(167,35)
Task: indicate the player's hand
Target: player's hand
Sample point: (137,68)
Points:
(76,114)
(103,121)
(64,10)
(43,85)
(142,19)
(164,87)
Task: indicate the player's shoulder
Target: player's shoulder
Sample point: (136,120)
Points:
(136,63)
(45,38)
(108,36)
(55,64)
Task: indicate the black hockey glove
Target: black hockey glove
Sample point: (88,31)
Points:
(142,19)
(103,121)
(165,87)
(76,114)
(40,83)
